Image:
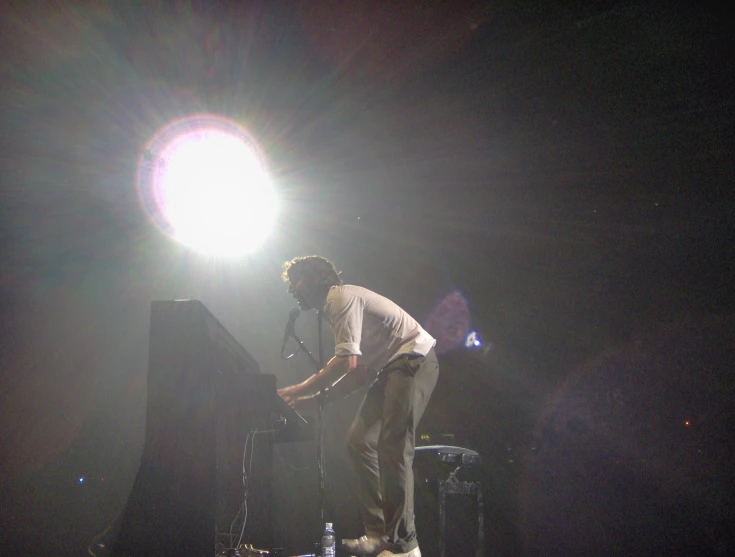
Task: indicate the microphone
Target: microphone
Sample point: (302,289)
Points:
(292,316)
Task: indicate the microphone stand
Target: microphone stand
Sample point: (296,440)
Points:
(319,416)
(320,430)
(303,347)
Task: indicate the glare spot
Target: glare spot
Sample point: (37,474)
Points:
(81,480)
(473,340)
(449,322)
(204,181)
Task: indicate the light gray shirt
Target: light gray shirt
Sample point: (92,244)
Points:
(371,326)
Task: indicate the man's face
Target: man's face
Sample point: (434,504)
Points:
(299,289)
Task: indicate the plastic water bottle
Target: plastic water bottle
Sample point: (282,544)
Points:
(329,541)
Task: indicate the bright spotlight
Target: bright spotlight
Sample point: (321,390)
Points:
(204,181)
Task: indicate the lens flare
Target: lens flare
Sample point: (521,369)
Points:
(449,322)
(203,181)
(473,340)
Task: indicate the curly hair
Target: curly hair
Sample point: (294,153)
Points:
(317,270)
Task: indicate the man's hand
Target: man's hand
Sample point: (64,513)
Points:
(290,394)
(305,403)
(335,368)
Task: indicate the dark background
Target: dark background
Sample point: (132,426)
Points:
(566,166)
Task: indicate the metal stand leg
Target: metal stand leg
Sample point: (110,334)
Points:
(460,488)
(480,523)
(442,520)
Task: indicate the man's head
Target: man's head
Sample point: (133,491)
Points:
(310,278)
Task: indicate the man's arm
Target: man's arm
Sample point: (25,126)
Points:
(337,367)
(344,386)
(347,384)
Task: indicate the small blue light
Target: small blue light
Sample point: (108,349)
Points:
(81,480)
(473,340)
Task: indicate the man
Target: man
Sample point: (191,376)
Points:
(371,331)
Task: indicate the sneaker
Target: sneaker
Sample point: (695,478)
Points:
(415,552)
(365,545)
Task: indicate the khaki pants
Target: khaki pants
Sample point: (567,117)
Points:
(382,442)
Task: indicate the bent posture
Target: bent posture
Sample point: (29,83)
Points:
(370,331)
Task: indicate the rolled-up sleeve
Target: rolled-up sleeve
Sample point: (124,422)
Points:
(345,316)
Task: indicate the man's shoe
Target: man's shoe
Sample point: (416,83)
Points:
(365,545)
(415,552)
